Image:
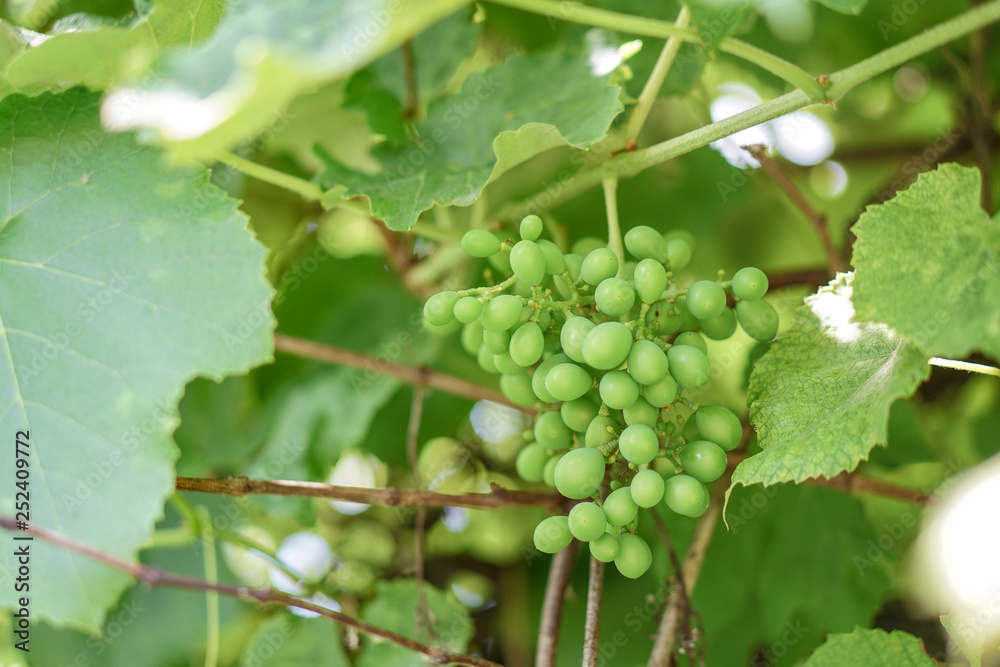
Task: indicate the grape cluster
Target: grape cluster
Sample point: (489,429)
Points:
(606,351)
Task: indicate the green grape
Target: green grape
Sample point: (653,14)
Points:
(619,508)
(526,344)
(586,245)
(501,260)
(597,432)
(680,247)
(646,488)
(690,430)
(527,262)
(692,339)
(587,522)
(705,299)
(703,460)
(688,321)
(549,473)
(758,319)
(646,243)
(572,335)
(467,309)
(567,382)
(650,280)
(530,462)
(638,444)
(577,414)
(544,318)
(607,345)
(579,473)
(721,327)
(485,359)
(506,365)
(647,363)
(550,431)
(719,425)
(518,389)
(501,313)
(604,548)
(472,337)
(538,377)
(665,318)
(618,390)
(634,556)
(599,265)
(662,393)
(664,467)
(552,534)
(554,261)
(440,308)
(496,342)
(614,297)
(689,366)
(641,412)
(685,495)
(749,283)
(531,227)
(573,264)
(480,243)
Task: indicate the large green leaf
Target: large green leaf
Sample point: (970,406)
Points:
(213,96)
(99,53)
(286,641)
(500,118)
(872,648)
(928,265)
(120,280)
(820,397)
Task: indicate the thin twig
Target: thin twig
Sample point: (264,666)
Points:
(592,626)
(390,497)
(964,366)
(614,229)
(154,577)
(818,220)
(552,608)
(422,612)
(409,374)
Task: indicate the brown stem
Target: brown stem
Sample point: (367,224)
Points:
(416,375)
(592,625)
(391,497)
(153,577)
(552,608)
(795,195)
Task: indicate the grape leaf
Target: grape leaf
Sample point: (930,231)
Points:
(286,641)
(99,53)
(928,265)
(820,397)
(120,280)
(502,117)
(213,96)
(393,609)
(872,648)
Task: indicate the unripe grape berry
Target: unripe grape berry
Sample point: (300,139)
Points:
(485,359)
(554,261)
(719,425)
(614,297)
(527,262)
(638,444)
(689,366)
(531,227)
(573,264)
(650,280)
(496,342)
(518,389)
(549,473)
(597,432)
(662,393)
(599,265)
(634,556)
(550,431)
(572,335)
(665,318)
(647,363)
(585,245)
(587,522)
(567,382)
(472,337)
(467,309)
(646,243)
(607,345)
(440,308)
(577,414)
(480,243)
(749,283)
(679,249)
(501,313)
(721,327)
(530,462)
(605,548)
(692,339)
(526,344)
(706,299)
(552,534)
(646,488)
(758,319)
(506,365)
(640,412)
(579,473)
(703,460)
(538,377)
(685,495)
(619,508)
(618,390)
